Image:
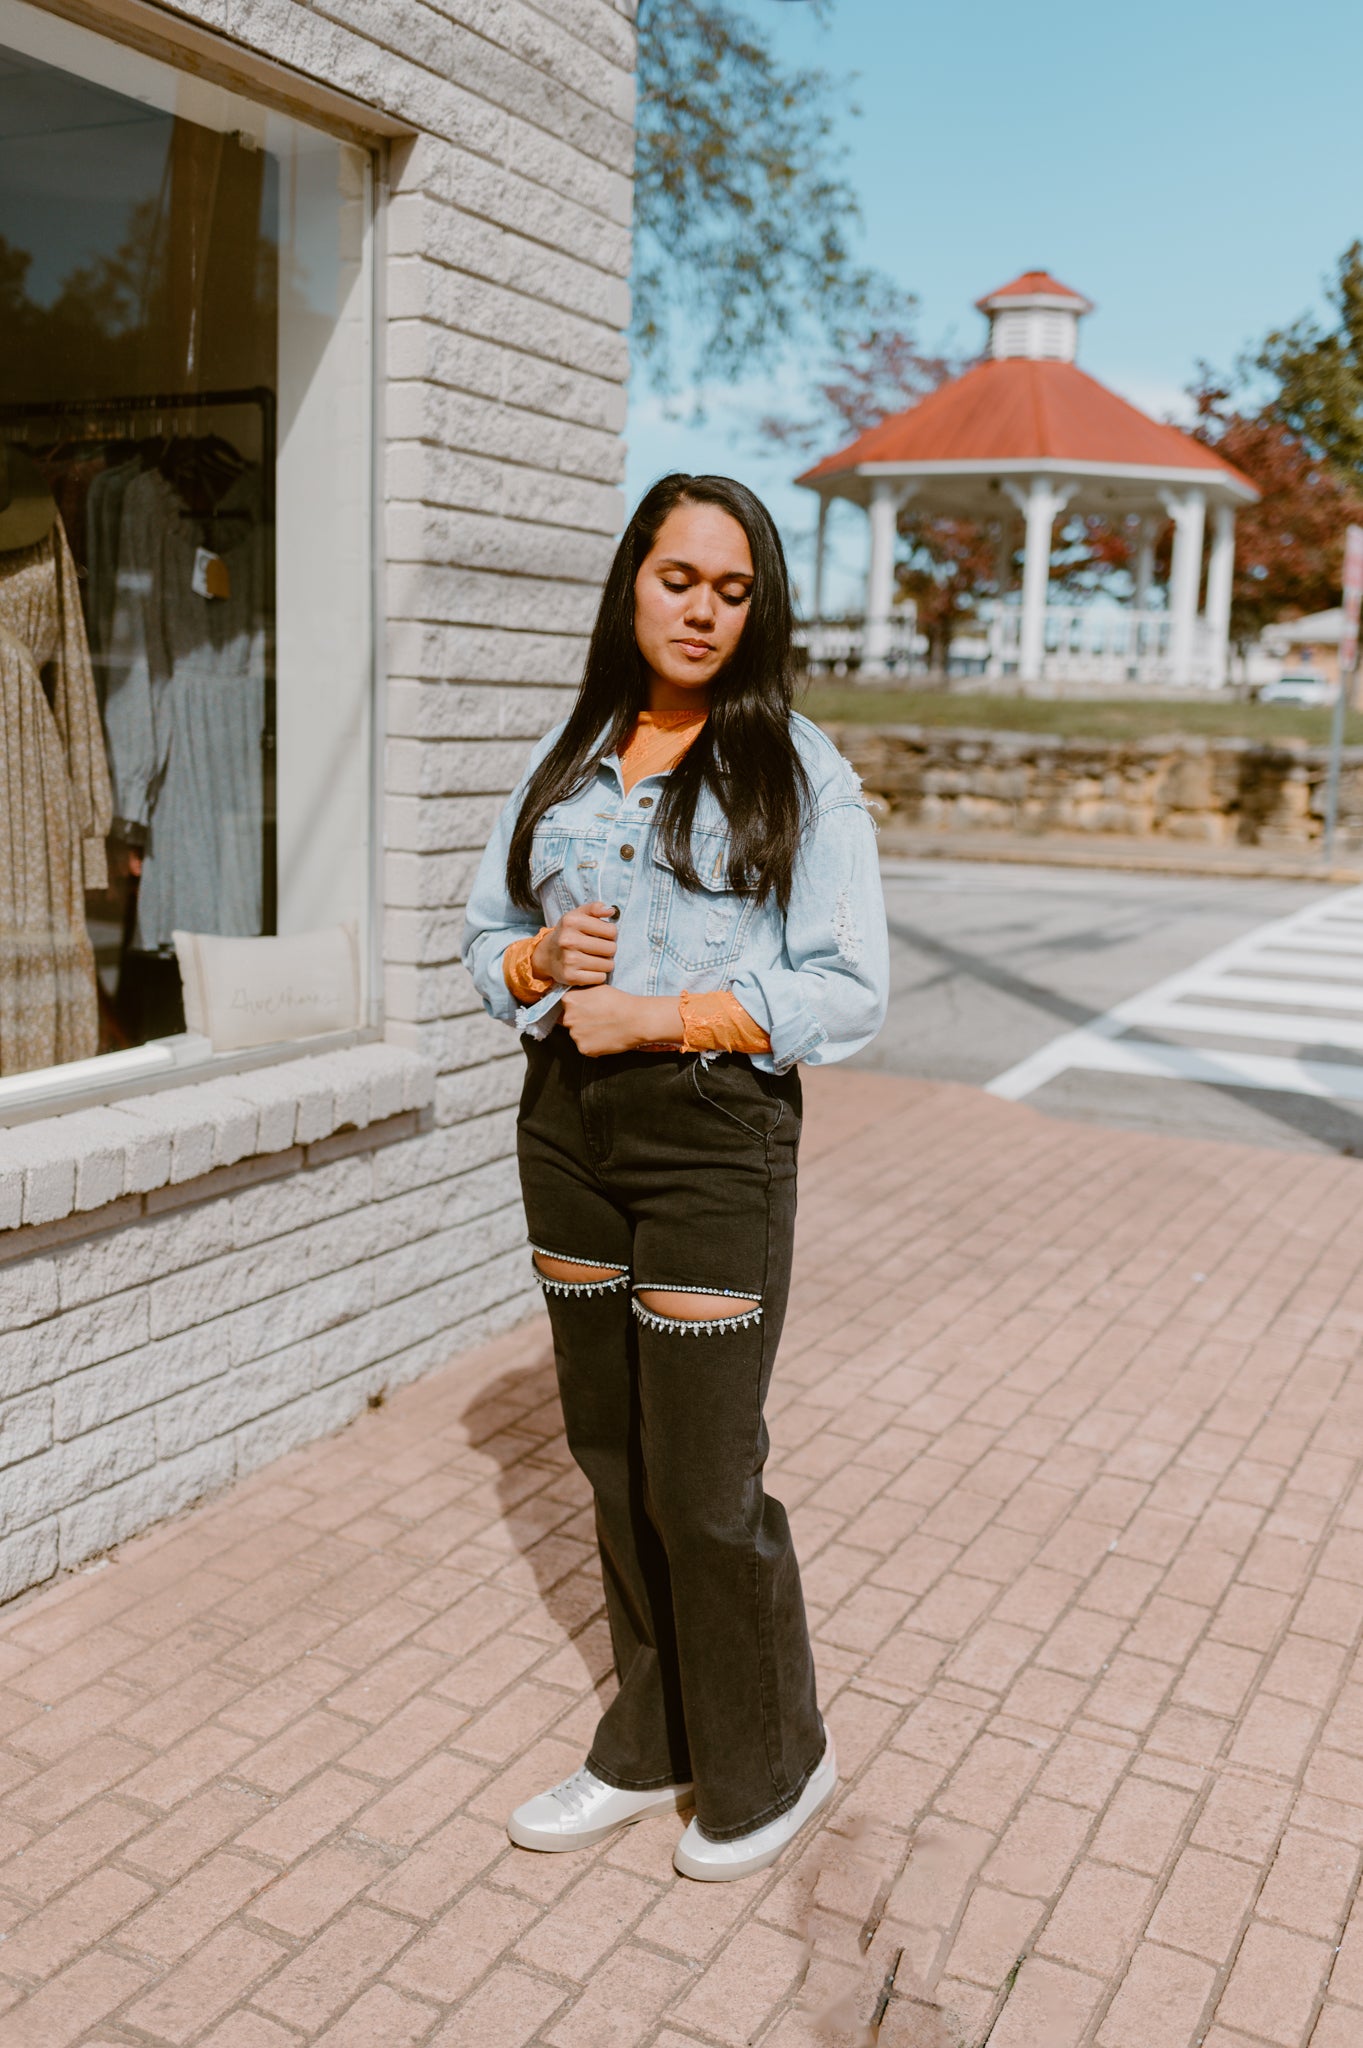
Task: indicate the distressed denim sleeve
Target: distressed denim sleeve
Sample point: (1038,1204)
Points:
(492,921)
(829,996)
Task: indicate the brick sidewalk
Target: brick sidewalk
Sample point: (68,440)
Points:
(1072,1427)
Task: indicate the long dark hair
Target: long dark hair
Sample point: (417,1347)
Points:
(745,752)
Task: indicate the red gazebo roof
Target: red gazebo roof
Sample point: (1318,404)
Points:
(1016,409)
(1035,284)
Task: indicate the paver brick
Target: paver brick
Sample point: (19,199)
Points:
(988,1785)
(1275,1735)
(451,1956)
(39,1945)
(294,1754)
(199,1990)
(994,1932)
(1204,1904)
(191,1909)
(1310,1884)
(54,1860)
(1337,2027)
(49,1796)
(743,1985)
(1274,1984)
(246,2030)
(78,1998)
(1142,1825)
(306,1817)
(1047,2004)
(178,1842)
(380,2015)
(334,1967)
(1096,1919)
(1160,2002)
(620,2004)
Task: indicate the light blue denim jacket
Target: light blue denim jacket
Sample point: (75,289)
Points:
(816,978)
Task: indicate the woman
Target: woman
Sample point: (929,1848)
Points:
(680,902)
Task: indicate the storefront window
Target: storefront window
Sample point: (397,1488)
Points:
(185,484)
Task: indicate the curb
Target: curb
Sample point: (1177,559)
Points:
(1134,859)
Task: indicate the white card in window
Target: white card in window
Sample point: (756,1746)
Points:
(211,577)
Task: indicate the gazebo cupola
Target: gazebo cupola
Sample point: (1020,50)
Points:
(1035,316)
(1021,438)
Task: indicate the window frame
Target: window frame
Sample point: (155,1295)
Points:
(170,42)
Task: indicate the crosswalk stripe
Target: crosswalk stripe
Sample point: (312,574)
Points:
(1284,1028)
(1266,988)
(1295,982)
(1331,1078)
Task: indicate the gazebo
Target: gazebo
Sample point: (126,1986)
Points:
(1022,437)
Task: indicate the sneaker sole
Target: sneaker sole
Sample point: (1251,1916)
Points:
(725,1873)
(531,1838)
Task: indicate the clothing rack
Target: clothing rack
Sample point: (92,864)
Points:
(100,413)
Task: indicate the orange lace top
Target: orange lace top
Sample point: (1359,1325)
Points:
(712,1022)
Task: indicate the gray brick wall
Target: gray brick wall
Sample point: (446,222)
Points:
(149,1354)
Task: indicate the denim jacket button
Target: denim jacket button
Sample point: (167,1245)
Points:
(645,803)
(626,853)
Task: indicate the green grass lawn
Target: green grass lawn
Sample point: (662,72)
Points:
(1089,718)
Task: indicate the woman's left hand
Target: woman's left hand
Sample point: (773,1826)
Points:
(604,1020)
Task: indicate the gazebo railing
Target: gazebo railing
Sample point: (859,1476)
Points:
(1105,645)
(837,646)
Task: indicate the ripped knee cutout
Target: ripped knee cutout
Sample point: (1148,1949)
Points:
(559,1275)
(650,1312)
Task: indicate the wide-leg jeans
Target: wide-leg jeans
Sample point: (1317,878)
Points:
(679,1175)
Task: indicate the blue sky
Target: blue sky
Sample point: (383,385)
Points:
(1186,166)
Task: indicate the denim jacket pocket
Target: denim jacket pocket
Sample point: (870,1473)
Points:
(700,930)
(548,859)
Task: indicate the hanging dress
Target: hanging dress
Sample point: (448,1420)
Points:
(55,810)
(185,709)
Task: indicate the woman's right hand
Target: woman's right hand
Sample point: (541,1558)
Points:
(580,950)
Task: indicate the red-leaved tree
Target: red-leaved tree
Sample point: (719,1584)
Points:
(1288,547)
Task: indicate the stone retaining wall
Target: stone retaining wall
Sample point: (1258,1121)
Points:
(1220,792)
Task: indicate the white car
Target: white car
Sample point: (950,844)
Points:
(1307,689)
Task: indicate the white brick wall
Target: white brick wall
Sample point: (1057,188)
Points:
(151,1352)
(156,1358)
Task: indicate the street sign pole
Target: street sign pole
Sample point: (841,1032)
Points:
(1348,662)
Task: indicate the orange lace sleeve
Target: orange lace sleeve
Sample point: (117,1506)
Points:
(718,1022)
(519,976)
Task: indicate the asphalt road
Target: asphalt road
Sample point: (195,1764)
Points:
(991,963)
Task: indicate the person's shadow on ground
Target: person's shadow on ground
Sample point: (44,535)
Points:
(546,1510)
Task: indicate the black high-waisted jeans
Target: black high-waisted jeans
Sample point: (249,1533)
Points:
(680,1177)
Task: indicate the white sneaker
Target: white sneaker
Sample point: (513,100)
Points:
(583,1810)
(716,1862)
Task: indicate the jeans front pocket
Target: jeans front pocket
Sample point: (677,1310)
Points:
(732,1088)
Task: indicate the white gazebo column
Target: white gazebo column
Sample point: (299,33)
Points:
(1040,506)
(1003,583)
(1003,558)
(820,565)
(820,554)
(1220,578)
(1145,562)
(1188,512)
(884,510)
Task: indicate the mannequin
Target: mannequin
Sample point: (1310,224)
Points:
(55,801)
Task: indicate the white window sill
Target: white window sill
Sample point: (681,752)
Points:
(103,1078)
(59,1165)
